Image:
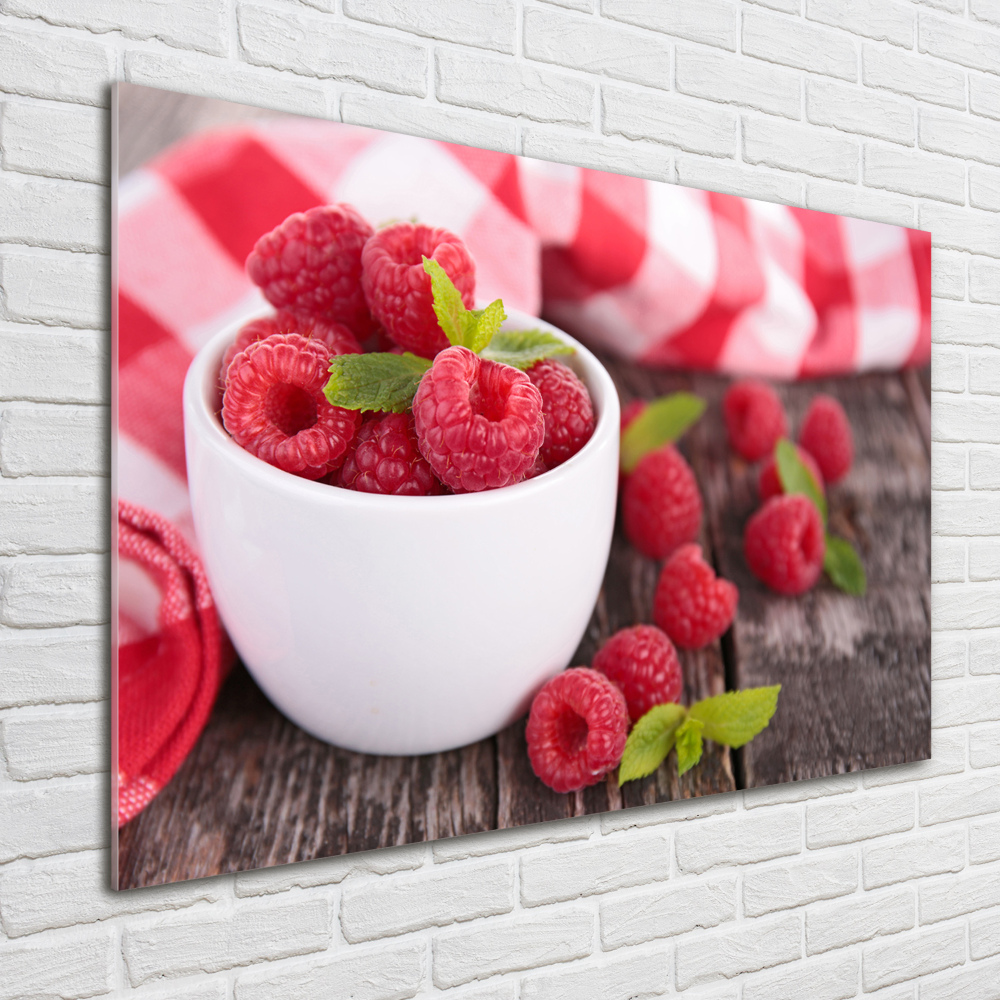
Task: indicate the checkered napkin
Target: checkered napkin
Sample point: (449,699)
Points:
(656,273)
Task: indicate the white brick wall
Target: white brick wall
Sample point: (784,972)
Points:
(884,885)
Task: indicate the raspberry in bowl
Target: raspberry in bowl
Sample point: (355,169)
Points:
(400,624)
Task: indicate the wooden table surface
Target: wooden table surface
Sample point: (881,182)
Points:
(257,791)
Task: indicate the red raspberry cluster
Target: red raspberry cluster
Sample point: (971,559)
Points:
(336,283)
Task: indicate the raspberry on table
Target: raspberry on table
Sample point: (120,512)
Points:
(566,409)
(784,544)
(692,605)
(576,729)
(755,418)
(769,483)
(479,423)
(661,505)
(311,264)
(642,661)
(826,435)
(274,406)
(384,458)
(398,289)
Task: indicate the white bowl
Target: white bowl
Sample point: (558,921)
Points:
(401,625)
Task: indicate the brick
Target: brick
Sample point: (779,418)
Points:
(382,973)
(902,73)
(799,44)
(50,65)
(408,903)
(974,982)
(56,287)
(961,228)
(947,757)
(740,839)
(959,799)
(799,791)
(984,280)
(322,47)
(433,121)
(960,42)
(62,966)
(189,24)
(947,275)
(678,122)
(859,918)
(799,147)
(984,96)
(732,80)
(220,78)
(914,173)
(948,656)
(947,467)
(712,22)
(596,47)
(37,363)
(63,891)
(822,979)
(782,887)
(54,440)
(558,873)
(984,842)
(906,957)
(512,88)
(59,816)
(984,468)
(620,979)
(981,415)
(754,945)
(984,187)
(877,19)
(598,152)
(902,859)
(52,517)
(953,6)
(860,817)
(959,135)
(511,945)
(985,10)
(50,592)
(948,369)
(844,199)
(50,744)
(950,896)
(487,25)
(947,560)
(732,178)
(855,109)
(54,140)
(668,910)
(974,605)
(958,323)
(512,839)
(208,942)
(984,936)
(53,666)
(984,653)
(788,6)
(960,703)
(984,560)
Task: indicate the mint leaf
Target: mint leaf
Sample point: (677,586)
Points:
(736,717)
(795,477)
(662,422)
(689,745)
(374,381)
(844,566)
(523,348)
(487,322)
(650,741)
(448,306)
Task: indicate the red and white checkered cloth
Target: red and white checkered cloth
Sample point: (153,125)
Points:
(661,274)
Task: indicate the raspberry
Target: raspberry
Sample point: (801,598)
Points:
(755,418)
(577,729)
(826,435)
(768,483)
(784,544)
(661,505)
(398,289)
(632,410)
(274,406)
(566,408)
(691,605)
(479,423)
(384,458)
(642,661)
(311,264)
(335,336)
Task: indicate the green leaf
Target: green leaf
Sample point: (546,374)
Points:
(650,741)
(375,381)
(487,323)
(736,717)
(689,745)
(795,476)
(844,567)
(448,306)
(662,422)
(523,348)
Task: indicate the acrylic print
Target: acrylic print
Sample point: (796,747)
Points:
(458,491)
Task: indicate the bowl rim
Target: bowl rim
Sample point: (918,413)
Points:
(200,418)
